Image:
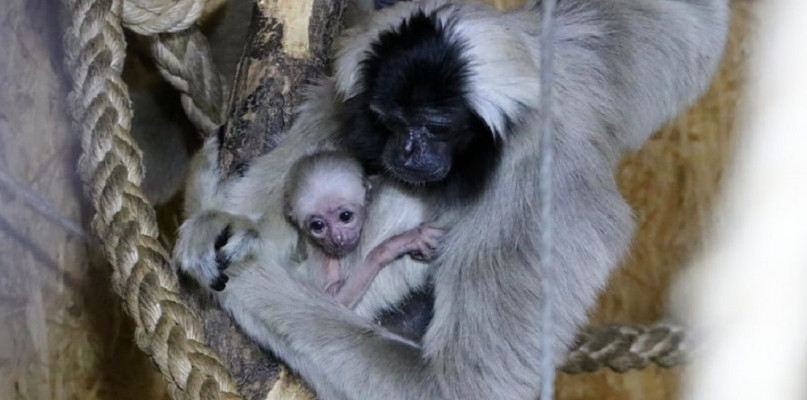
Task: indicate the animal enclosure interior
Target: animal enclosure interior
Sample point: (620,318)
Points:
(63,332)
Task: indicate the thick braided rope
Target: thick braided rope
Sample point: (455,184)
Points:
(184,60)
(111,169)
(626,347)
(150,17)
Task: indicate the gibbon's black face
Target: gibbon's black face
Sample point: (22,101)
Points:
(413,120)
(422,140)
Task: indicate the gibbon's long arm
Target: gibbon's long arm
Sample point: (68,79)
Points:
(622,68)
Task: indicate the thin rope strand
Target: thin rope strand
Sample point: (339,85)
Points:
(545,188)
(43,207)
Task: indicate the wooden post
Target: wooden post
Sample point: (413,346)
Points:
(288,45)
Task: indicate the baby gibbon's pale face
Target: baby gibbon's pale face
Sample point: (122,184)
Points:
(335,221)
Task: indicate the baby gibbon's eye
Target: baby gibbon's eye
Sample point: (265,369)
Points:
(346,216)
(316,226)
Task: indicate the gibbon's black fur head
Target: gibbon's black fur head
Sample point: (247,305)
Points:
(413,120)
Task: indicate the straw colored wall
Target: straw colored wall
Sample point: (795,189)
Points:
(671,183)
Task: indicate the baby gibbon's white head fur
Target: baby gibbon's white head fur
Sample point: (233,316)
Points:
(325,197)
(326,176)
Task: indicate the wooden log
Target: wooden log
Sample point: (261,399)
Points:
(288,44)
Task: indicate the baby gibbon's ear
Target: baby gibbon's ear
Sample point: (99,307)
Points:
(288,212)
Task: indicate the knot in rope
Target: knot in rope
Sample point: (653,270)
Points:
(150,17)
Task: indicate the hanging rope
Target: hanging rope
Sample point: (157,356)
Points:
(546,240)
(111,170)
(184,60)
(182,55)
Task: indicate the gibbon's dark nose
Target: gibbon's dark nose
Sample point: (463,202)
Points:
(414,142)
(416,158)
(411,159)
(409,147)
